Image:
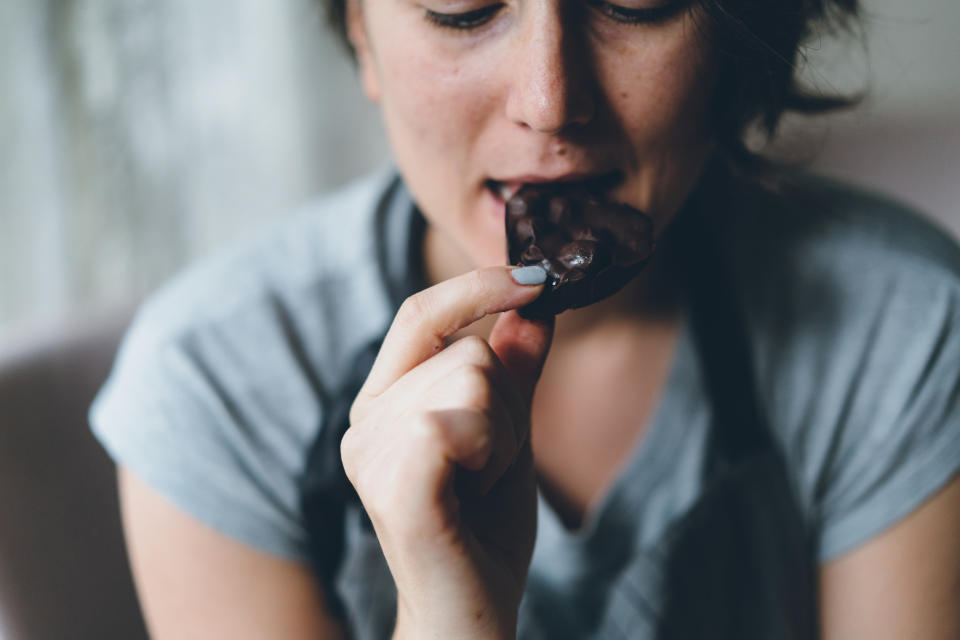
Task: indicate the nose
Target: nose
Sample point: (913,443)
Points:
(551,88)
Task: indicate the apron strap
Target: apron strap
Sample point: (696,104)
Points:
(719,335)
(325,492)
(759,523)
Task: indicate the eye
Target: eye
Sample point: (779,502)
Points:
(651,15)
(463,21)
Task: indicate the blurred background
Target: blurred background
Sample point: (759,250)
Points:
(136,135)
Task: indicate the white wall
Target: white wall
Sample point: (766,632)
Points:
(912,68)
(905,137)
(138,134)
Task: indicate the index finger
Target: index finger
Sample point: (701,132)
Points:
(426,319)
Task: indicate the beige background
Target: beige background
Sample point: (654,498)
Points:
(136,135)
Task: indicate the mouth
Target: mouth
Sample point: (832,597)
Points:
(598,185)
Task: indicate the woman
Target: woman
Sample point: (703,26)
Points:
(758,437)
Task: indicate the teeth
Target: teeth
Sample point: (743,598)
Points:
(506,191)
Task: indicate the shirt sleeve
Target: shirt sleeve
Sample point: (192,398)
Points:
(199,416)
(896,435)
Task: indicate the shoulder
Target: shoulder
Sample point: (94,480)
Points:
(826,262)
(219,386)
(833,277)
(813,223)
(832,271)
(853,307)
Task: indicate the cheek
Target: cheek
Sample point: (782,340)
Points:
(658,92)
(436,109)
(660,95)
(433,103)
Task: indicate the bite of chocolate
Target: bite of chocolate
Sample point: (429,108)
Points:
(589,248)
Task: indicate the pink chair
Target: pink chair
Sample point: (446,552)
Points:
(63,565)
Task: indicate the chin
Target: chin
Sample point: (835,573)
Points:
(488,256)
(486,246)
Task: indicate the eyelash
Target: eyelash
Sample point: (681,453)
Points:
(479,17)
(637,16)
(463,21)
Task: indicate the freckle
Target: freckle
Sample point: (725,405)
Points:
(562,151)
(624,95)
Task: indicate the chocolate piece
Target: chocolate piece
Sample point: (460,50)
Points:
(590,249)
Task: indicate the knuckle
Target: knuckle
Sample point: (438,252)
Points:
(427,429)
(357,410)
(475,349)
(414,309)
(349,451)
(475,385)
(415,313)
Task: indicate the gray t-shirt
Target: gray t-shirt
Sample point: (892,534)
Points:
(852,311)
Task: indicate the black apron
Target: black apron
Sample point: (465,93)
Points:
(739,565)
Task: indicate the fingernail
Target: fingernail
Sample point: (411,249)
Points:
(529,275)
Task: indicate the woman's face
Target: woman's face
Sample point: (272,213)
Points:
(479,97)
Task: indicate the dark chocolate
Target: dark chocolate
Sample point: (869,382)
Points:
(590,249)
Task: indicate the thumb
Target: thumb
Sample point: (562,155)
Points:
(522,347)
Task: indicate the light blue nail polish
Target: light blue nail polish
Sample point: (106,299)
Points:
(529,275)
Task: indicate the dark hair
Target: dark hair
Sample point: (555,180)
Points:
(759,43)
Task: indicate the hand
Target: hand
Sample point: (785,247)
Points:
(438,450)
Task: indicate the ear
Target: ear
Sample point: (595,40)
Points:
(357,32)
